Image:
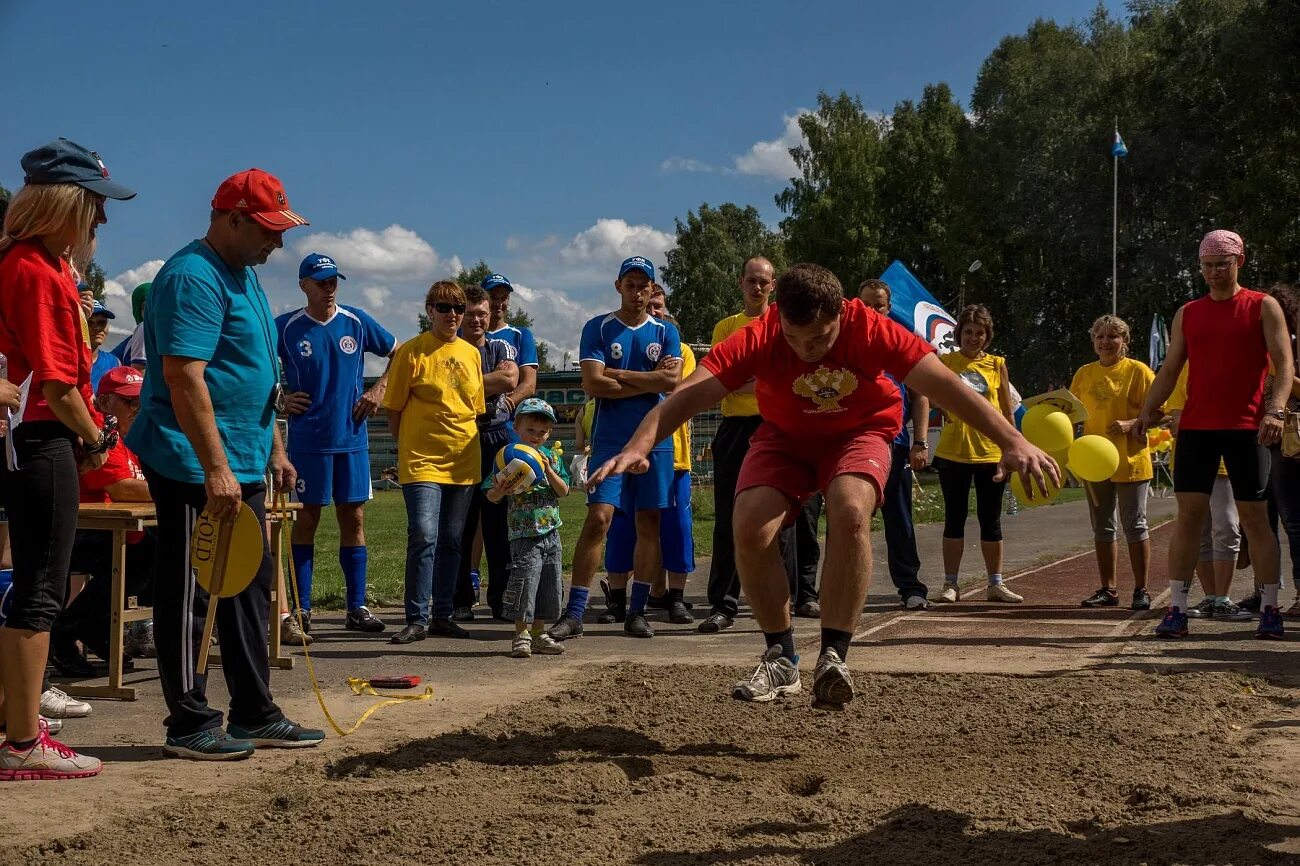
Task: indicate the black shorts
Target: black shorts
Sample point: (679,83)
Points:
(1196,463)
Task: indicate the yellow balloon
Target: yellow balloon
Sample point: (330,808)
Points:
(1047,427)
(1022,495)
(1093,458)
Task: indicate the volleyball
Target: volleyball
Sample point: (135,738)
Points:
(518,467)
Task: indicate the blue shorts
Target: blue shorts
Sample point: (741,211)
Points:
(676,533)
(649,492)
(324,479)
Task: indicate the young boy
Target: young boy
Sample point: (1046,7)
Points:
(532,596)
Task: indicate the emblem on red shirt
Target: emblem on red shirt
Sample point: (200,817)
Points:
(826,388)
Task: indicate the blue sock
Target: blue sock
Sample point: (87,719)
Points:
(577,602)
(353,562)
(303,556)
(637,597)
(995,579)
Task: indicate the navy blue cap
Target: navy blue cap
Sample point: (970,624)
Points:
(63,161)
(319,267)
(100,310)
(637,263)
(491,281)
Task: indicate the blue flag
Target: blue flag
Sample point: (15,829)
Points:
(913,307)
(1118,149)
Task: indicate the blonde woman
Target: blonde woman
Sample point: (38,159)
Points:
(1113,389)
(43,338)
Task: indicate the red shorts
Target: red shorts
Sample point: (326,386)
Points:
(800,469)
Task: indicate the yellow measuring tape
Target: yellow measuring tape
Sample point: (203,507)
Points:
(358,686)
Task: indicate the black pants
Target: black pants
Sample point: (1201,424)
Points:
(900,533)
(802,553)
(89,616)
(955,481)
(179,608)
(496,536)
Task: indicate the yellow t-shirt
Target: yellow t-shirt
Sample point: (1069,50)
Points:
(1116,393)
(734,405)
(682,438)
(588,415)
(958,441)
(438,387)
(1176,402)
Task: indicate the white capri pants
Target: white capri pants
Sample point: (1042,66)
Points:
(1129,498)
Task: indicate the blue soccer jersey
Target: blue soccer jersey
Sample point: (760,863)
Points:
(636,349)
(327,361)
(520,340)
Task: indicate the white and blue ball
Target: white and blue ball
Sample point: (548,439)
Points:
(519,467)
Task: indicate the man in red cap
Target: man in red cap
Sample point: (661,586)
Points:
(206,435)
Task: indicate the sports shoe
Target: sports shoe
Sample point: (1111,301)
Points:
(566,628)
(47,758)
(53,725)
(612,614)
(949,594)
(916,602)
(462,614)
(69,662)
(1173,625)
(1203,610)
(1101,598)
(57,704)
(284,734)
(1252,602)
(212,744)
(1001,592)
(305,616)
(139,640)
(1229,612)
(291,632)
(809,610)
(1141,599)
(716,622)
(1270,625)
(522,646)
(361,619)
(832,683)
(445,628)
(774,677)
(657,602)
(638,626)
(410,633)
(545,645)
(679,613)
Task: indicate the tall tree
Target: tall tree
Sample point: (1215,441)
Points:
(702,270)
(4,203)
(94,277)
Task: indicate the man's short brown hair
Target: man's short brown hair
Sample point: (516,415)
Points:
(876,285)
(445,292)
(474,295)
(807,293)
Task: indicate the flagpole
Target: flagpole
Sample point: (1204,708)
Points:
(1114,239)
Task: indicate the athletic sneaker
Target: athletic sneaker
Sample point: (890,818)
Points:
(1229,612)
(545,645)
(1270,625)
(612,615)
(950,593)
(522,646)
(679,613)
(916,602)
(774,677)
(568,627)
(1102,598)
(57,704)
(212,744)
(832,683)
(1173,625)
(47,758)
(638,626)
(716,622)
(291,632)
(361,619)
(284,734)
(1141,599)
(1204,610)
(1252,602)
(1001,592)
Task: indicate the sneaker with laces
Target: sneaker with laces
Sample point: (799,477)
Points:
(566,628)
(1270,625)
(716,622)
(1230,612)
(1141,599)
(1002,592)
(1203,610)
(57,704)
(832,682)
(638,626)
(361,619)
(1252,602)
(446,628)
(679,613)
(1101,598)
(46,758)
(612,615)
(949,594)
(291,632)
(212,744)
(284,734)
(545,645)
(1174,624)
(522,646)
(775,676)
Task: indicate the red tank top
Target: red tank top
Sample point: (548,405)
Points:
(1227,361)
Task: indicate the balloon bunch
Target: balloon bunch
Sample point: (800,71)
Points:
(1160,440)
(1089,458)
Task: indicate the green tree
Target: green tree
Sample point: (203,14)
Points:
(466,278)
(702,271)
(94,277)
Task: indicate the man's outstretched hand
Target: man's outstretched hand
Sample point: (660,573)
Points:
(1034,465)
(624,462)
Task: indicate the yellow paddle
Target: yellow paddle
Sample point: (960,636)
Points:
(225,555)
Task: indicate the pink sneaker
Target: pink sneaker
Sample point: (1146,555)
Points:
(46,759)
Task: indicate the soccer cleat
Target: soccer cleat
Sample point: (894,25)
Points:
(1229,612)
(916,602)
(283,734)
(832,682)
(679,613)
(1001,592)
(949,594)
(1270,625)
(715,623)
(1141,599)
(56,704)
(567,628)
(361,619)
(1174,624)
(545,645)
(212,744)
(291,632)
(47,759)
(1101,598)
(774,677)
(522,646)
(410,633)
(612,615)
(638,626)
(1203,610)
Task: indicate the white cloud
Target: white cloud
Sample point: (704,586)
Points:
(772,158)
(610,241)
(682,163)
(117,293)
(376,297)
(557,318)
(395,253)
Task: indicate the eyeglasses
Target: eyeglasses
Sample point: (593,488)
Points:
(1218,266)
(458,309)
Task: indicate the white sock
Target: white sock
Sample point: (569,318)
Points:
(1268,595)
(1178,594)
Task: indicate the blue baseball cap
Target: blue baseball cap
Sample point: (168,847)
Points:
(318,266)
(637,263)
(100,310)
(63,161)
(491,281)
(535,406)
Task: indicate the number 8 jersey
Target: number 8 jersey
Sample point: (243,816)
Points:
(636,348)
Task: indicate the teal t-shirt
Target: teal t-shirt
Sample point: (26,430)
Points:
(536,511)
(199,308)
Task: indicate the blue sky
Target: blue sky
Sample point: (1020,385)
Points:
(550,139)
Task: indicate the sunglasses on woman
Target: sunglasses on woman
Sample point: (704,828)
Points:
(458,309)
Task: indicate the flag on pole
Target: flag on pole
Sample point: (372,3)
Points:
(913,307)
(1158,342)
(1118,148)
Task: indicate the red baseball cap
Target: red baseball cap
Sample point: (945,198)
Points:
(122,381)
(260,195)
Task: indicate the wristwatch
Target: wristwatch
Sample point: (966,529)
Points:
(1279,414)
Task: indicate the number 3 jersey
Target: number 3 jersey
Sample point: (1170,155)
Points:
(638,349)
(327,361)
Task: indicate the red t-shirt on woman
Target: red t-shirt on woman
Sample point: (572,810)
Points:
(1227,361)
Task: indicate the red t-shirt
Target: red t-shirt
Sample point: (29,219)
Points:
(1227,361)
(119,465)
(40,325)
(846,392)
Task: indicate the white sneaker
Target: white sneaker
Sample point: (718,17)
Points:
(57,704)
(950,593)
(916,602)
(1000,592)
(46,759)
(522,647)
(545,645)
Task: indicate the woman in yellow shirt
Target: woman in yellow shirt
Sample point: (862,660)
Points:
(965,457)
(435,393)
(1113,389)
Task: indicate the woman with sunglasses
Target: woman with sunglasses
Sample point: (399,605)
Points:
(435,395)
